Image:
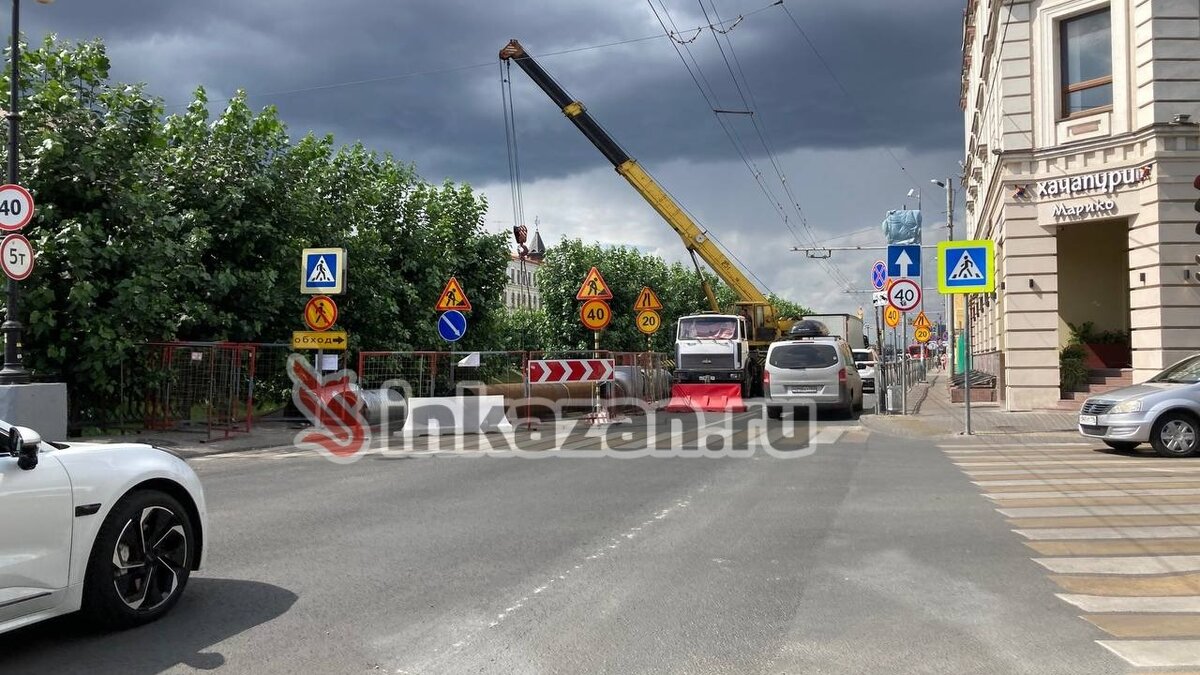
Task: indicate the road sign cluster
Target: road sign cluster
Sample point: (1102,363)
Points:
(322,274)
(16,253)
(452,323)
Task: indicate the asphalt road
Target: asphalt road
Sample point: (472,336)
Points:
(868,555)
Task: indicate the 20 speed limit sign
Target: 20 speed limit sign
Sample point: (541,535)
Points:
(16,207)
(904,295)
(16,257)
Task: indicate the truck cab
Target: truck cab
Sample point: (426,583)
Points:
(713,348)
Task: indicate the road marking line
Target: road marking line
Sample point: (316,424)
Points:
(1106,520)
(1149,532)
(1116,585)
(1085,547)
(1146,625)
(1065,463)
(1121,500)
(1108,491)
(1138,564)
(1019,482)
(983,447)
(1155,653)
(1130,510)
(1067,472)
(1103,603)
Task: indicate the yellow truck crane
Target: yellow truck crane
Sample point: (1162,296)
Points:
(718,357)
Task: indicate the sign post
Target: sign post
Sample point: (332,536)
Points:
(966,267)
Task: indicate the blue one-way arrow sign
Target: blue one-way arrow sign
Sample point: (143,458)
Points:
(904,261)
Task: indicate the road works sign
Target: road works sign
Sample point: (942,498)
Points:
(647,299)
(891,316)
(903,261)
(595,315)
(453,297)
(594,287)
(571,370)
(648,321)
(966,266)
(323,270)
(330,340)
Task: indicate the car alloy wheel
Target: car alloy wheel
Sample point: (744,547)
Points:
(1175,435)
(149,558)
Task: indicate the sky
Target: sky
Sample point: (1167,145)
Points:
(853,102)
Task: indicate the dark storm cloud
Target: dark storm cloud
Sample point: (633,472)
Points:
(898,60)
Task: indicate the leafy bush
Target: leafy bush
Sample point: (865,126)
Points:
(1072,371)
(1086,334)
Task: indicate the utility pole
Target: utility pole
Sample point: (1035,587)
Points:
(949,298)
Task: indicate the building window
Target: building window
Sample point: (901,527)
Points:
(1086,42)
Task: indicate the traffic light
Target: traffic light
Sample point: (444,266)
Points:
(1196,184)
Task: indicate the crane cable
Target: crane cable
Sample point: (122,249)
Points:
(510,140)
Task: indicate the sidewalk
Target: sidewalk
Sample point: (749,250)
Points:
(190,444)
(932,415)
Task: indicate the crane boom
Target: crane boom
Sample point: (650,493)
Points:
(697,241)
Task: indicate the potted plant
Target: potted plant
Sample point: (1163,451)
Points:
(1072,370)
(1102,349)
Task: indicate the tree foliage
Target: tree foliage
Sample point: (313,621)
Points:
(189,226)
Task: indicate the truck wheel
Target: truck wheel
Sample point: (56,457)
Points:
(775,412)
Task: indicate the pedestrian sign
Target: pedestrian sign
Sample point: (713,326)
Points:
(453,297)
(322,270)
(594,287)
(320,313)
(903,261)
(647,299)
(922,321)
(966,266)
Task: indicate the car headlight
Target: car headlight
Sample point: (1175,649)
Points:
(1130,406)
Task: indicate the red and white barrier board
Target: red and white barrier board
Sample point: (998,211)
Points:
(571,370)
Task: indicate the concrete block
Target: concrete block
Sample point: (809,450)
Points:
(41,406)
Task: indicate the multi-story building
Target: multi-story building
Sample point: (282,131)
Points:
(1081,148)
(521,291)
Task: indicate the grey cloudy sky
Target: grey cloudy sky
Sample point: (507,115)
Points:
(420,79)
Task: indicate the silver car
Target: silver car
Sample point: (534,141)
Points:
(817,371)
(1164,411)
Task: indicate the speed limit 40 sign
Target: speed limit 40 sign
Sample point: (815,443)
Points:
(904,295)
(16,207)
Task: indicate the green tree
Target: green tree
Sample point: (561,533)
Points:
(189,227)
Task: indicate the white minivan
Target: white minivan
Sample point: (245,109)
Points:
(816,370)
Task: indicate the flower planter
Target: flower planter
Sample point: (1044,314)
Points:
(1107,355)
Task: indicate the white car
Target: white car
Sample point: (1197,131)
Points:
(111,529)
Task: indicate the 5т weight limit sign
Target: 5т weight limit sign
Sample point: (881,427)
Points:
(904,295)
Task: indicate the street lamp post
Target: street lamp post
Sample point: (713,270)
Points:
(14,371)
(949,186)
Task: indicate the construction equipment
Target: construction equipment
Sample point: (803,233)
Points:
(719,357)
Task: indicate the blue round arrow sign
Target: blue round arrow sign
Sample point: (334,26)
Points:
(452,326)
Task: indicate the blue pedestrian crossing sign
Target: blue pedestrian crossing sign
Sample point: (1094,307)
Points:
(323,271)
(966,266)
(452,325)
(904,261)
